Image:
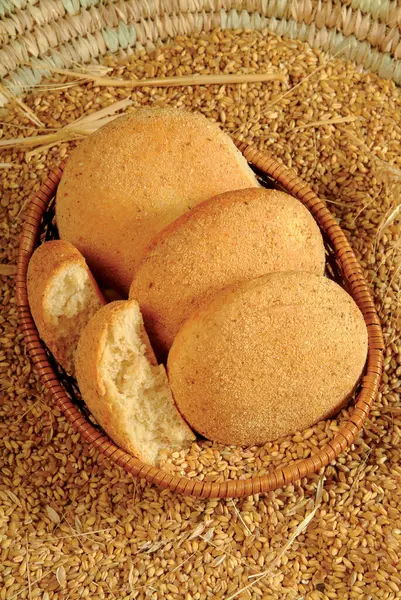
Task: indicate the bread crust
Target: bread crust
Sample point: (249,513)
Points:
(132,177)
(232,237)
(46,264)
(268,357)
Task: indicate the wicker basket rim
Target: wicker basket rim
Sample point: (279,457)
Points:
(236,487)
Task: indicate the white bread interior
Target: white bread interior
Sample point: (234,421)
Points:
(71,301)
(124,388)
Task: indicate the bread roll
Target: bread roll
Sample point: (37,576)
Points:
(129,179)
(123,386)
(268,357)
(63,296)
(235,236)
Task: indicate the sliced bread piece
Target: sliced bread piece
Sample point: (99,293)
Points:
(124,387)
(63,296)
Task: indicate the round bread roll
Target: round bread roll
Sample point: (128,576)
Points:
(229,238)
(135,175)
(268,357)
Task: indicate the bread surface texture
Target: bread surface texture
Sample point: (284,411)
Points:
(124,387)
(63,296)
(268,357)
(232,237)
(134,176)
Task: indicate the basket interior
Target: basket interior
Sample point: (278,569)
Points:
(48,231)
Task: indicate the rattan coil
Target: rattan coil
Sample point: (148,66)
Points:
(61,33)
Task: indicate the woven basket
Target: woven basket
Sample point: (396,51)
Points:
(61,33)
(346,267)
(35,34)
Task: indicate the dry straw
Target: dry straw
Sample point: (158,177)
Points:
(78,128)
(87,125)
(190,80)
(299,529)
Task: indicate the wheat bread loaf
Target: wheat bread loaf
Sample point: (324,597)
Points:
(134,176)
(232,237)
(268,357)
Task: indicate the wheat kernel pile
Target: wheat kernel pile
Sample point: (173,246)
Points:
(72,524)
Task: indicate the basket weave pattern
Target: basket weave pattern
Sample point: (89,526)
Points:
(352,274)
(61,33)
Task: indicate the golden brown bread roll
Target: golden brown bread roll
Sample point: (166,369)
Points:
(63,296)
(229,238)
(132,177)
(124,387)
(268,357)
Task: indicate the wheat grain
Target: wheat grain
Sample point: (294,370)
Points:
(132,540)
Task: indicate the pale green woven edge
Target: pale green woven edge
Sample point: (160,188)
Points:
(62,33)
(386,11)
